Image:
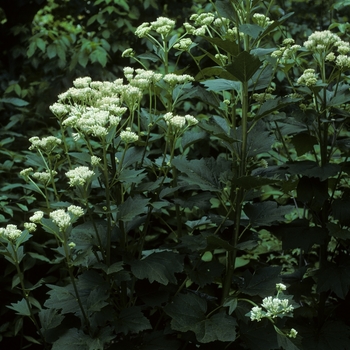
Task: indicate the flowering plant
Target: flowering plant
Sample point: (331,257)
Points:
(170,203)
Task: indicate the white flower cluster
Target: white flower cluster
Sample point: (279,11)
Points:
(93,108)
(45,176)
(308,78)
(273,307)
(183,44)
(261,20)
(163,26)
(174,79)
(178,122)
(331,46)
(206,19)
(37,216)
(128,136)
(79,176)
(11,232)
(46,144)
(63,219)
(287,51)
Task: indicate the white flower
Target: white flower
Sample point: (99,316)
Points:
(183,44)
(128,136)
(177,122)
(173,79)
(261,20)
(128,53)
(26,172)
(320,41)
(206,18)
(46,144)
(76,210)
(256,313)
(79,176)
(82,82)
(189,28)
(142,30)
(308,78)
(293,333)
(59,109)
(163,25)
(37,216)
(61,219)
(30,226)
(191,120)
(280,287)
(343,61)
(95,160)
(10,232)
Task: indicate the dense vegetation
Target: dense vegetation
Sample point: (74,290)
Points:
(174,175)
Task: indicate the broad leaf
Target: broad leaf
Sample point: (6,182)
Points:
(131,208)
(18,102)
(335,278)
(262,282)
(204,173)
(188,314)
(21,307)
(50,318)
(206,272)
(243,66)
(266,213)
(132,320)
(333,335)
(159,267)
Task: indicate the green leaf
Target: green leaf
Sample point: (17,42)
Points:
(249,182)
(204,173)
(335,278)
(18,102)
(74,339)
(188,314)
(131,208)
(266,213)
(304,143)
(41,44)
(230,47)
(244,66)
(206,272)
(62,298)
(222,85)
(159,267)
(262,282)
(21,308)
(273,105)
(225,9)
(285,343)
(311,169)
(253,30)
(50,318)
(231,303)
(191,137)
(332,335)
(132,320)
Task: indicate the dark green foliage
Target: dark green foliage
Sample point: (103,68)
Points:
(187,229)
